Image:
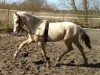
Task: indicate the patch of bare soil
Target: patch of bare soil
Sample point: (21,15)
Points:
(25,64)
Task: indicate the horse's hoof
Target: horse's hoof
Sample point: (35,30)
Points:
(25,54)
(85,63)
(15,55)
(58,59)
(48,65)
(47,58)
(57,65)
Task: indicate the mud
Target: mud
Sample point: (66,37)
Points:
(30,60)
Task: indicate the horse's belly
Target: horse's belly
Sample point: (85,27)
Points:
(55,36)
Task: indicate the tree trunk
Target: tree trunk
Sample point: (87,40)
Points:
(74,7)
(85,8)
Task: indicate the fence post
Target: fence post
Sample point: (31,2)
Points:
(8,11)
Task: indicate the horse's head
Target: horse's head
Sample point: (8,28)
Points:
(17,23)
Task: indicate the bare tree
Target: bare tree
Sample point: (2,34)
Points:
(69,4)
(2,1)
(35,5)
(85,8)
(73,5)
(96,5)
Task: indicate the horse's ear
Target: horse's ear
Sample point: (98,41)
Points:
(45,21)
(16,14)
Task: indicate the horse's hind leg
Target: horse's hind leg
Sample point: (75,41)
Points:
(81,50)
(69,46)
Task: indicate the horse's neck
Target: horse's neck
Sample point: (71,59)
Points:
(33,26)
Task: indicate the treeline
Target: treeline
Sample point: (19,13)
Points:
(27,5)
(89,9)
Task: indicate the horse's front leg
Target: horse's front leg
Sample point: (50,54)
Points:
(42,46)
(26,42)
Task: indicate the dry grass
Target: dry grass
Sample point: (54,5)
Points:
(6,19)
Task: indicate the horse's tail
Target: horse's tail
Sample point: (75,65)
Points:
(86,39)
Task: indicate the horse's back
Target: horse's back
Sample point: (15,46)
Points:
(58,30)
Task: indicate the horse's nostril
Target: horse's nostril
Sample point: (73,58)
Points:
(14,33)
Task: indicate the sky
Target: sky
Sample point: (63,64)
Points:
(79,4)
(54,2)
(11,1)
(58,4)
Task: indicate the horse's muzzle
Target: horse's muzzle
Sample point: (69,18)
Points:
(15,34)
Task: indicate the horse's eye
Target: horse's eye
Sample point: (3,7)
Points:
(17,21)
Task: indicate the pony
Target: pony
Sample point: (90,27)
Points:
(68,32)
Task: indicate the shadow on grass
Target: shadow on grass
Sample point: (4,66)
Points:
(97,65)
(38,62)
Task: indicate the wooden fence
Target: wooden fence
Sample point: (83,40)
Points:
(6,18)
